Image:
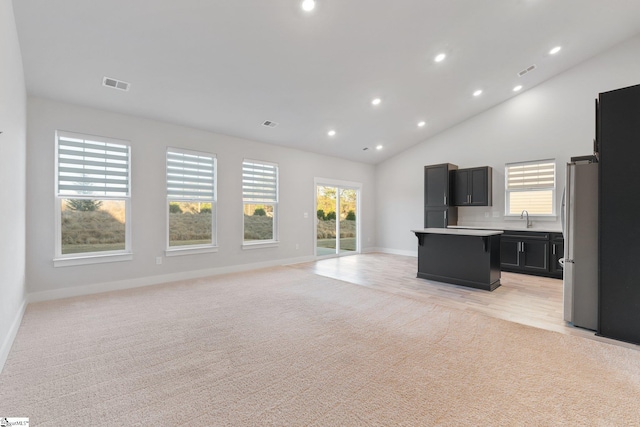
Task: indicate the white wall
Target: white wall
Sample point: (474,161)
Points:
(553,120)
(13,179)
(149,140)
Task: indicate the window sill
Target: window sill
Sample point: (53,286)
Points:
(260,245)
(91,259)
(190,251)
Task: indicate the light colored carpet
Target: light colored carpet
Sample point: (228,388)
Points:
(285,347)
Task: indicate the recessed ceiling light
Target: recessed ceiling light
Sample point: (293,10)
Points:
(376,101)
(331,132)
(440,57)
(378,147)
(517,88)
(308,5)
(421,124)
(555,50)
(478,92)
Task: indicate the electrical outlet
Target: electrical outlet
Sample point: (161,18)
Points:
(496,214)
(158,260)
(306,214)
(297,246)
(486,214)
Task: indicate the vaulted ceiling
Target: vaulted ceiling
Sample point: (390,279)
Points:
(227,66)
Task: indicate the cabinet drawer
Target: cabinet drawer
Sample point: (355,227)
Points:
(526,235)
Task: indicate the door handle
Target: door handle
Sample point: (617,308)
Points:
(522,246)
(445,200)
(445,218)
(553,249)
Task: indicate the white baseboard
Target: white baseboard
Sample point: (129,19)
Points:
(11,335)
(155,280)
(396,252)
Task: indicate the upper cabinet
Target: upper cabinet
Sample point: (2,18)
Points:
(438,206)
(472,187)
(437,185)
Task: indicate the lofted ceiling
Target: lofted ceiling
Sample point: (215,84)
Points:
(227,66)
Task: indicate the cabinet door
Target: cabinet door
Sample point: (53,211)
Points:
(557,252)
(509,252)
(436,218)
(536,255)
(461,187)
(478,188)
(436,185)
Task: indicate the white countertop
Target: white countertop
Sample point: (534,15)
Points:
(458,231)
(507,228)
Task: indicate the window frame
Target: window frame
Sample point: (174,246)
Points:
(507,191)
(200,248)
(254,244)
(82,258)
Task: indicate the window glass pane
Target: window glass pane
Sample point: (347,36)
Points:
(534,202)
(258,222)
(92,225)
(190,223)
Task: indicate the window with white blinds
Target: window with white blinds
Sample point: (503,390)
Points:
(191,200)
(92,166)
(530,186)
(93,192)
(260,199)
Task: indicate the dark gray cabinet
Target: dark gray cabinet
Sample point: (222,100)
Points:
(530,252)
(472,187)
(557,252)
(618,249)
(439,211)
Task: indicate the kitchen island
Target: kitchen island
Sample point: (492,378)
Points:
(467,257)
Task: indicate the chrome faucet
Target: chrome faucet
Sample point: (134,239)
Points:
(529,223)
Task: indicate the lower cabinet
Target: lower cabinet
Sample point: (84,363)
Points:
(557,252)
(531,252)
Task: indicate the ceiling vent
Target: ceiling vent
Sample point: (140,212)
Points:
(365,148)
(269,124)
(529,69)
(116,84)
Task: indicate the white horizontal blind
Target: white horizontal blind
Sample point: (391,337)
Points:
(531,176)
(92,166)
(534,202)
(259,182)
(190,175)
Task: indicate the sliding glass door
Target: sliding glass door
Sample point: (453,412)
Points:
(337,219)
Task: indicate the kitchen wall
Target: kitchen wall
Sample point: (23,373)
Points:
(13,178)
(149,140)
(553,120)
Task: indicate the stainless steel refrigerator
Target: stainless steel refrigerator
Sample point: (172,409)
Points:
(580,229)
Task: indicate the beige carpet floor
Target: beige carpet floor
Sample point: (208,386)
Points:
(285,347)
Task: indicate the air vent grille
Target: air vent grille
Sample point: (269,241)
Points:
(529,69)
(115,84)
(269,124)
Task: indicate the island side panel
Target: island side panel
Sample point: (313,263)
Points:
(472,261)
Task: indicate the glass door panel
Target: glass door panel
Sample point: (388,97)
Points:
(348,204)
(327,205)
